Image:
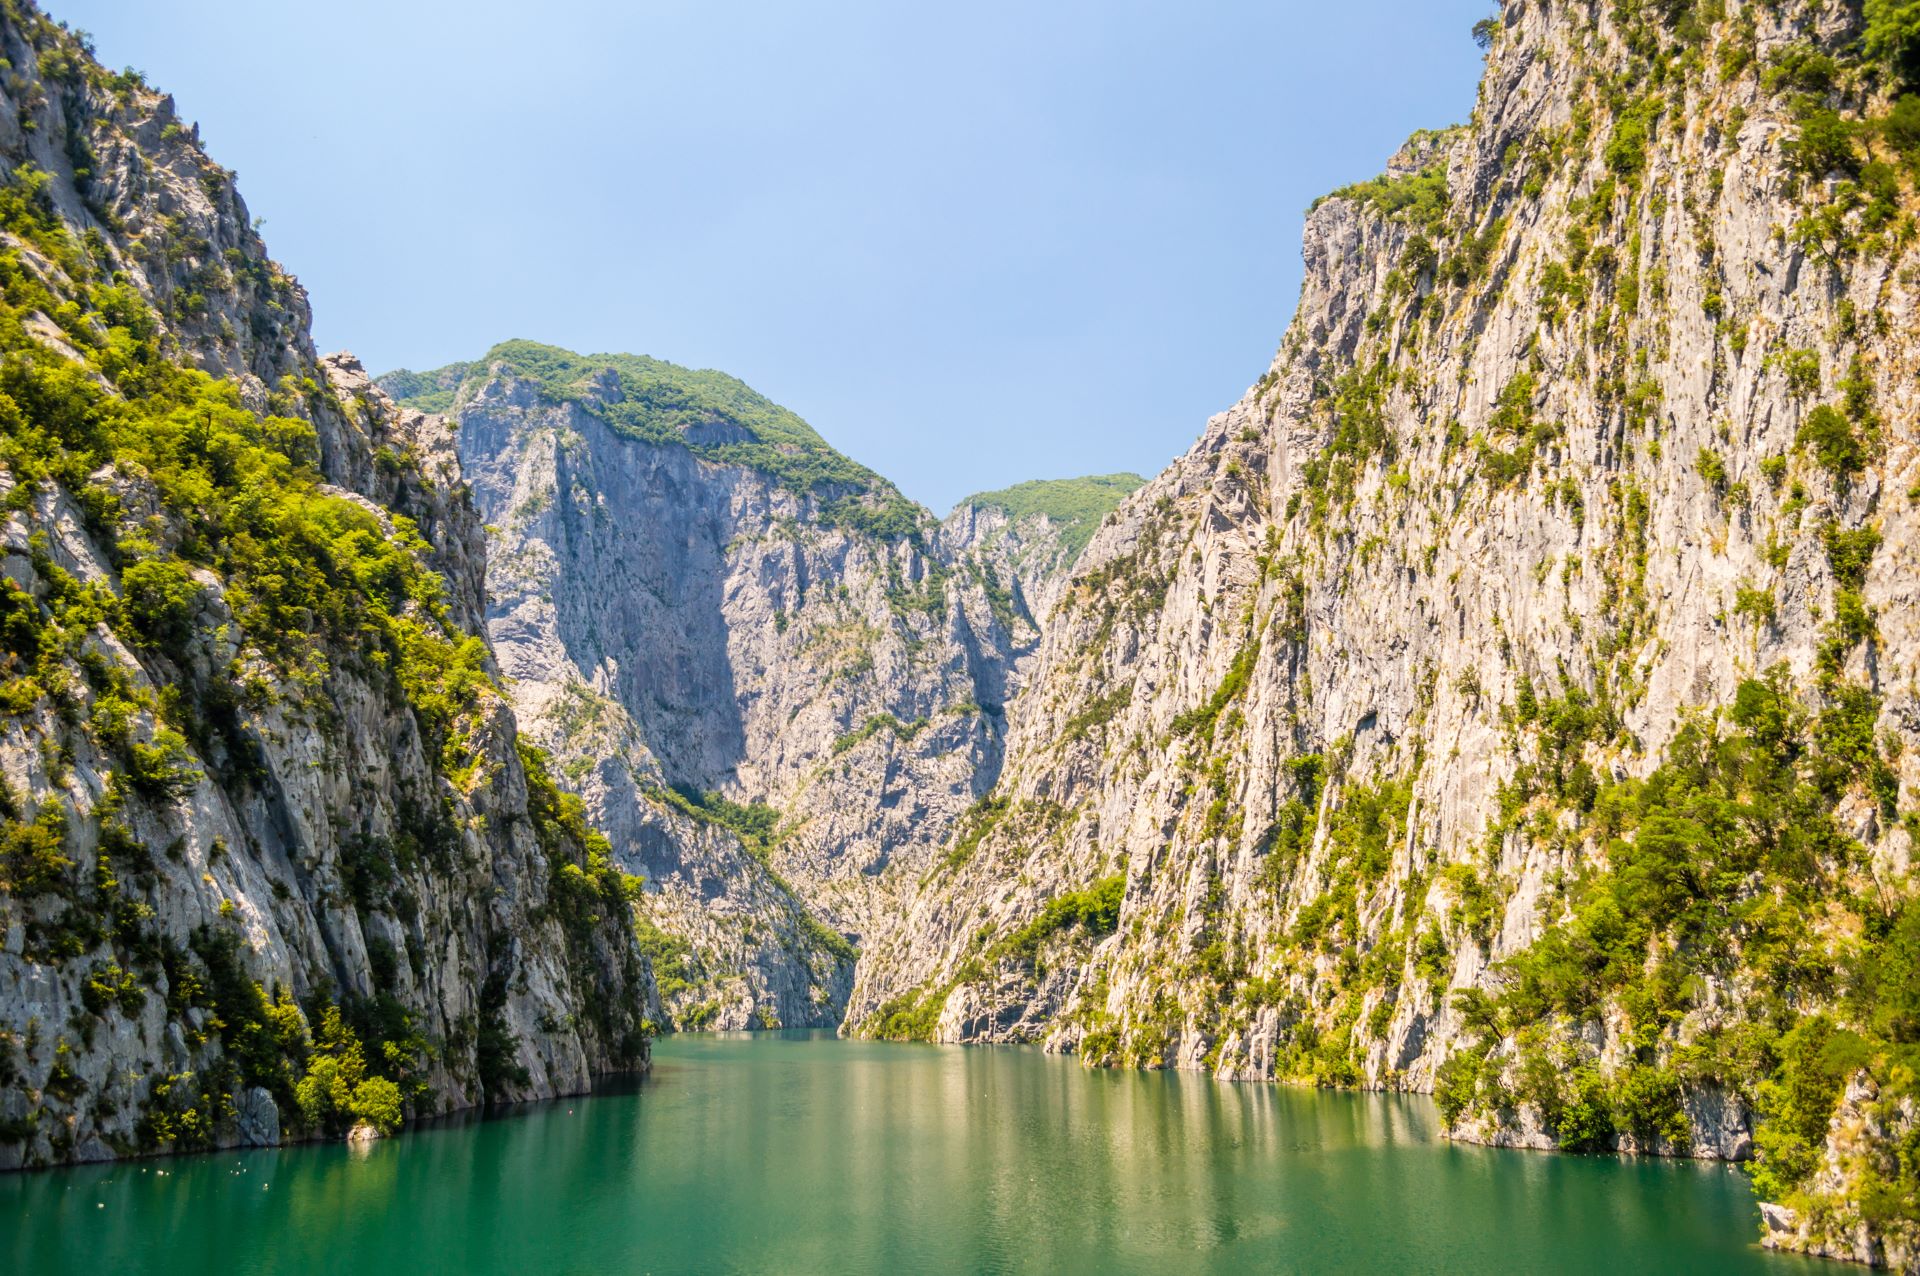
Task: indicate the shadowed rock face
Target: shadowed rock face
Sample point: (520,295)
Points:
(777,694)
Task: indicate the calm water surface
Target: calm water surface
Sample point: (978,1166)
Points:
(795,1152)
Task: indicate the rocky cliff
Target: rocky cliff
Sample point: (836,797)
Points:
(775,681)
(1023,541)
(273,862)
(1512,696)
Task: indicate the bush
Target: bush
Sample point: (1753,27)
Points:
(1850,554)
(1456,1085)
(1712,468)
(1647,1105)
(1756,604)
(33,855)
(337,1090)
(1802,371)
(912,1016)
(1801,68)
(1830,437)
(108,985)
(1816,1058)
(164,768)
(160,597)
(376,1101)
(1585,1120)
(1096,910)
(1420,198)
(1626,152)
(1901,127)
(1824,145)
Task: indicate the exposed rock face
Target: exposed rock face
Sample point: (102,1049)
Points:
(1831,1222)
(213,821)
(775,711)
(1354,695)
(1513,696)
(1022,542)
(776,683)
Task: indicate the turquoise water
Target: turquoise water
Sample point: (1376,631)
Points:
(796,1152)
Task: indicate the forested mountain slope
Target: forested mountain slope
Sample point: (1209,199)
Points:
(273,862)
(1513,696)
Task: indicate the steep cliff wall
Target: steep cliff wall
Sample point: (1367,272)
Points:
(755,660)
(272,861)
(1023,541)
(776,682)
(1512,696)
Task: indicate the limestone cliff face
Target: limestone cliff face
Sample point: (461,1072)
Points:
(775,695)
(254,764)
(1593,412)
(1020,545)
(777,684)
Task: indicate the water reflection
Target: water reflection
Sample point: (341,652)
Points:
(796,1152)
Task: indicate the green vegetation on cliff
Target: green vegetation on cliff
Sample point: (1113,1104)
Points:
(1675,926)
(716,417)
(1725,866)
(252,591)
(1074,505)
(433,391)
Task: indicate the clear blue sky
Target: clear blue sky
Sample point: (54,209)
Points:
(972,243)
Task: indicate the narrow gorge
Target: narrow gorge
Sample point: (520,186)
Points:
(1514,698)
(776,682)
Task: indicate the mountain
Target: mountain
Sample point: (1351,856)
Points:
(1026,538)
(1511,696)
(776,683)
(273,860)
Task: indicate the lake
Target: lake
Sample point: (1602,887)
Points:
(797,1152)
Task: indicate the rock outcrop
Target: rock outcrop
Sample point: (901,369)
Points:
(272,860)
(1511,696)
(772,681)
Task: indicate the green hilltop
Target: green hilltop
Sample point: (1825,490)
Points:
(1075,505)
(426,391)
(661,402)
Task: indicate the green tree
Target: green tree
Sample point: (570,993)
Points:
(1796,1103)
(1893,36)
(159,599)
(337,1091)
(1830,437)
(33,856)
